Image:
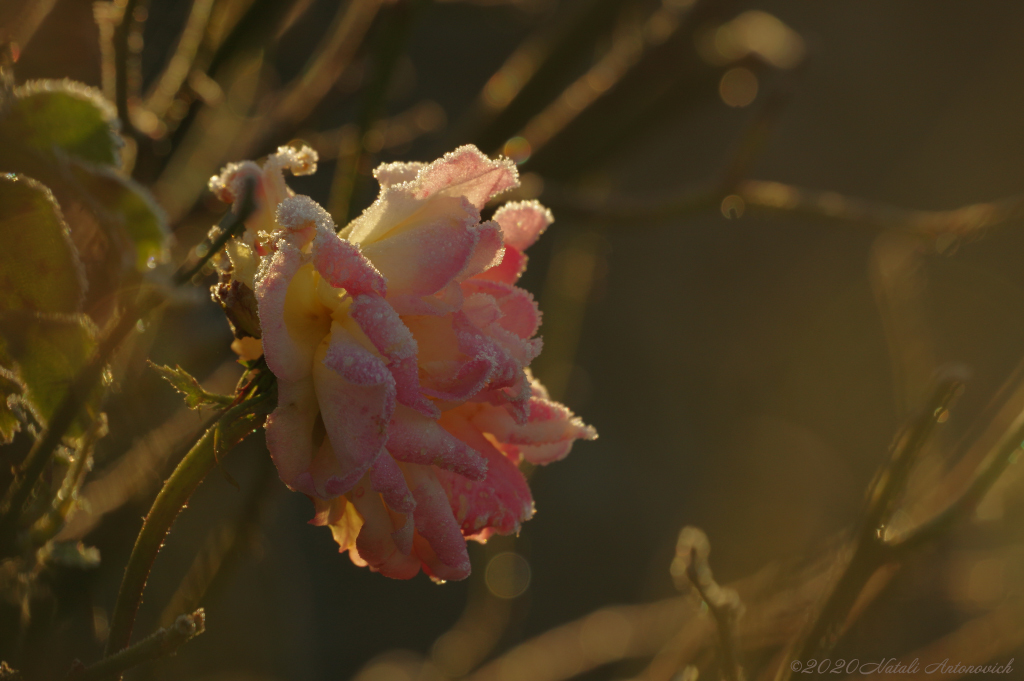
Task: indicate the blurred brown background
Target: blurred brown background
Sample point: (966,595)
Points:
(736,369)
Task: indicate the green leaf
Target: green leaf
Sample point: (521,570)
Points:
(46,352)
(10,390)
(39,266)
(125,205)
(188,386)
(64,116)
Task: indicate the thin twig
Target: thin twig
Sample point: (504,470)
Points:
(63,417)
(234,425)
(158,644)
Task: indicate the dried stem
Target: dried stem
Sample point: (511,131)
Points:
(65,415)
(234,425)
(158,644)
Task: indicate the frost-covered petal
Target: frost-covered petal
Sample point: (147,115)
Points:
(508,271)
(522,222)
(291,433)
(292,320)
(386,478)
(500,502)
(436,524)
(356,394)
(414,438)
(388,174)
(546,436)
(423,258)
(519,311)
(382,325)
(469,173)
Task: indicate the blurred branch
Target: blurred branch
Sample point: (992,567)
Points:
(158,644)
(871,551)
(63,417)
(233,426)
(628,47)
(329,61)
(1006,451)
(169,83)
(19,19)
(784,198)
(390,45)
(122,48)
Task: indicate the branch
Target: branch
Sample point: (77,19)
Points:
(158,644)
(234,425)
(769,196)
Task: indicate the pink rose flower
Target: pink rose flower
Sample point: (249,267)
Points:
(401,348)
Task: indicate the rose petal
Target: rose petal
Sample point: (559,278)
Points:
(436,524)
(292,319)
(500,502)
(522,222)
(508,271)
(375,544)
(388,174)
(290,433)
(415,439)
(356,394)
(382,325)
(469,173)
(386,478)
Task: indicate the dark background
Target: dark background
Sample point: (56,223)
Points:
(737,370)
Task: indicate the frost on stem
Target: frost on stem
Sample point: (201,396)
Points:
(690,569)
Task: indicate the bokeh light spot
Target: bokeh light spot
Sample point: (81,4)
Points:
(738,86)
(508,575)
(733,206)
(518,149)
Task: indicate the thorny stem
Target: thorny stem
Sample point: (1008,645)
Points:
(230,225)
(65,415)
(158,644)
(234,425)
(871,551)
